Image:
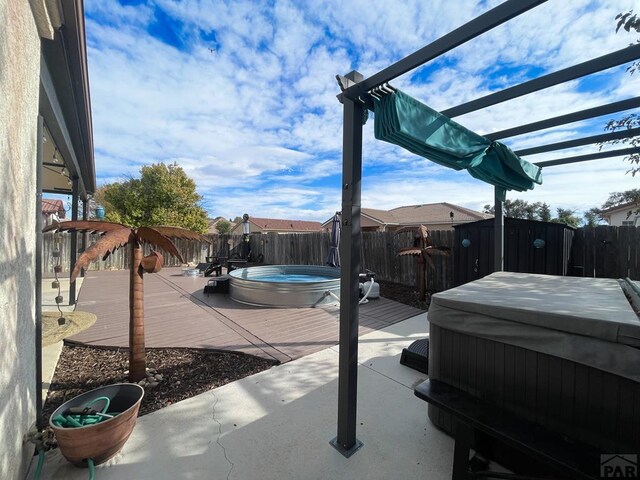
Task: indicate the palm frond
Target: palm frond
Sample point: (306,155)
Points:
(89,226)
(414,230)
(154,237)
(178,232)
(426,236)
(429,261)
(107,244)
(410,251)
(443,251)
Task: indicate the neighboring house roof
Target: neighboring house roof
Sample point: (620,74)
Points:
(281,225)
(212,223)
(50,206)
(436,213)
(630,207)
(630,212)
(383,216)
(430,213)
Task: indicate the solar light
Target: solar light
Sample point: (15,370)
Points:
(466,243)
(539,243)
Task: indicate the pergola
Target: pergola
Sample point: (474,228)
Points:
(356,98)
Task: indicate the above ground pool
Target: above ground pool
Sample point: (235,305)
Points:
(285,285)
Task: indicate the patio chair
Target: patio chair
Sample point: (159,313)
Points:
(208,268)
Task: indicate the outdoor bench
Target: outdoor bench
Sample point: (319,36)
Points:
(473,416)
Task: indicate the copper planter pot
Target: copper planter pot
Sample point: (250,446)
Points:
(103,440)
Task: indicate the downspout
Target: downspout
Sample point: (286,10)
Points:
(38,258)
(73,256)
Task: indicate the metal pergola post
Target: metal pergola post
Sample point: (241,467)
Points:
(498,230)
(355,99)
(85,235)
(73,256)
(346,442)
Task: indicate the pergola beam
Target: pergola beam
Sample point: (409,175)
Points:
(602,138)
(470,30)
(586,114)
(604,62)
(591,156)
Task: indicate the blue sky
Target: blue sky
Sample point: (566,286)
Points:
(242,95)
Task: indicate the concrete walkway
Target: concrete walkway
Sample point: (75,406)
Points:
(51,353)
(277,425)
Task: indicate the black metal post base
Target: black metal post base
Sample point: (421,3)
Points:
(346,453)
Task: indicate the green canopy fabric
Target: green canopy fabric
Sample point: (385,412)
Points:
(404,121)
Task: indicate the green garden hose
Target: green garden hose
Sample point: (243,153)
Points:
(92,468)
(79,417)
(36,476)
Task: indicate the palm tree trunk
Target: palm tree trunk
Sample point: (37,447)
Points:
(422,266)
(137,359)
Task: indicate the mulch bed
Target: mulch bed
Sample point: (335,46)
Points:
(185,372)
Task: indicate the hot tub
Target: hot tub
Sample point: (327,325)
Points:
(559,351)
(285,285)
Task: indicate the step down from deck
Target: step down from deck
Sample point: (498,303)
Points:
(416,355)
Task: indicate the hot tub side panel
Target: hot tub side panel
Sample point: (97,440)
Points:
(585,403)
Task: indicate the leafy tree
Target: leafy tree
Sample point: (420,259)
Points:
(544,212)
(628,21)
(114,236)
(591,217)
(223,226)
(522,209)
(163,195)
(619,198)
(567,217)
(535,211)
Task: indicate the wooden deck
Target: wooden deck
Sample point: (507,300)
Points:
(178,314)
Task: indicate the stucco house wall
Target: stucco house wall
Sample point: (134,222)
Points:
(19,84)
(617,218)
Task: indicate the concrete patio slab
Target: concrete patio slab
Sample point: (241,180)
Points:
(277,425)
(51,353)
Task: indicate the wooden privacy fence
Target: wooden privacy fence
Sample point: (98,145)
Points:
(118,260)
(606,252)
(603,251)
(378,253)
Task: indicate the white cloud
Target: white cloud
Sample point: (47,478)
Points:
(247,103)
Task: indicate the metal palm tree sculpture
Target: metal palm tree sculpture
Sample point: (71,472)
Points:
(423,249)
(114,236)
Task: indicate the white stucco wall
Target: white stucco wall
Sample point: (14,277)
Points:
(616,218)
(19,87)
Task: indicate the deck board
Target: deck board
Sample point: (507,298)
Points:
(178,314)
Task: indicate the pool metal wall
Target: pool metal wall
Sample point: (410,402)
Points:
(245,286)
